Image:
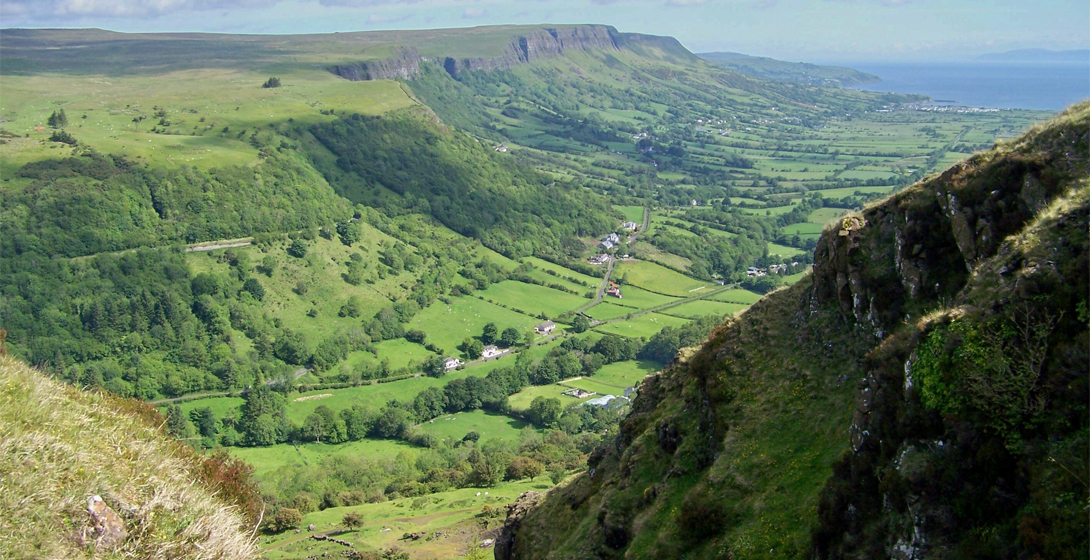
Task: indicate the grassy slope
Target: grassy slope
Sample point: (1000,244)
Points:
(59,446)
(760,415)
(770,470)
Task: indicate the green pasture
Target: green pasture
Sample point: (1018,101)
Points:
(592,385)
(643,326)
(825,215)
(631,213)
(532,299)
(563,272)
(656,278)
(487,424)
(606,310)
(448,325)
(270,458)
(702,307)
(522,399)
(804,229)
(737,295)
(199,104)
(625,374)
(639,299)
(783,250)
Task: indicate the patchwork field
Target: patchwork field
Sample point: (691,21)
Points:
(487,424)
(531,299)
(642,326)
(657,278)
(701,308)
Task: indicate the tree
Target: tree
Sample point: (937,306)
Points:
(268,265)
(176,422)
(205,420)
(510,337)
(271,83)
(545,412)
(349,232)
(352,308)
(415,335)
(474,349)
(580,323)
(471,436)
(255,288)
(58,119)
(434,366)
(298,248)
(557,473)
(352,520)
(522,467)
(489,333)
(286,518)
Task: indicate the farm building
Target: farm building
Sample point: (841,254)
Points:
(545,328)
(602,258)
(491,351)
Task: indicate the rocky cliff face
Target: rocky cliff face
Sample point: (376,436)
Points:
(404,66)
(969,437)
(924,394)
(539,45)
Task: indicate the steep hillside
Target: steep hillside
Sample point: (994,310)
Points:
(954,316)
(59,447)
(782,71)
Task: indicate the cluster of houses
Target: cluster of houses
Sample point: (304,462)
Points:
(610,241)
(772,269)
(614,290)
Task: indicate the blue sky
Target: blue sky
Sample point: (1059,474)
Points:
(806,30)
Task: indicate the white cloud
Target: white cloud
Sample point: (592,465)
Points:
(119,8)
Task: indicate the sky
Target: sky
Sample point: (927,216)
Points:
(797,30)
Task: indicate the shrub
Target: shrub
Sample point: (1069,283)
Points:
(286,518)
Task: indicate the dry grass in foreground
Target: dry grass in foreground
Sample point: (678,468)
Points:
(59,446)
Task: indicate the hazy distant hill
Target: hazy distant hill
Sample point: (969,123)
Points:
(795,72)
(1038,55)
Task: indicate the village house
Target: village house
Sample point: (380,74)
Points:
(577,393)
(605,245)
(630,226)
(612,238)
(451,363)
(602,258)
(491,351)
(545,328)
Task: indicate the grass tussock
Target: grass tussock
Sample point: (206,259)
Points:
(59,446)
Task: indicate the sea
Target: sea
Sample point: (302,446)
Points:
(1044,86)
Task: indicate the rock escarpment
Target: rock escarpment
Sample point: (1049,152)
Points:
(404,66)
(923,394)
(544,44)
(540,45)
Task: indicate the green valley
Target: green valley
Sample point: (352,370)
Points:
(407,276)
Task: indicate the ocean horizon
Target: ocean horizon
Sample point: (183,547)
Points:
(1044,86)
